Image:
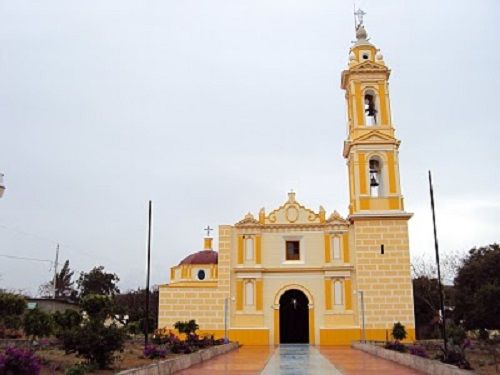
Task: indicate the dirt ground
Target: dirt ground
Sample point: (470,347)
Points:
(56,362)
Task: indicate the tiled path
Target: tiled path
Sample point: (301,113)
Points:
(297,360)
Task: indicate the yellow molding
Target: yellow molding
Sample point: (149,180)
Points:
(240,249)
(259,295)
(239,295)
(328,294)
(327,248)
(193,284)
(276,326)
(297,269)
(345,244)
(348,294)
(258,249)
(311,326)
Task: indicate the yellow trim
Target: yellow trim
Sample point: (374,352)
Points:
(346,336)
(311,326)
(362,173)
(328,294)
(348,294)
(383,104)
(193,284)
(327,248)
(394,203)
(208,243)
(359,103)
(259,295)
(258,249)
(254,336)
(364,203)
(240,249)
(392,172)
(172,274)
(239,295)
(276,326)
(345,245)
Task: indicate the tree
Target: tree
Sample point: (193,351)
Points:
(98,282)
(11,308)
(477,288)
(64,285)
(132,304)
(66,320)
(93,339)
(38,324)
(398,331)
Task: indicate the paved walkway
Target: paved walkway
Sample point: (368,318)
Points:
(298,360)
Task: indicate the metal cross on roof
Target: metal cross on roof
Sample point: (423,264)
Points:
(208,229)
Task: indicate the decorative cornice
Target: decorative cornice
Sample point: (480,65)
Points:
(248,220)
(383,215)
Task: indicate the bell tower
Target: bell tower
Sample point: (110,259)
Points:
(378,232)
(371,148)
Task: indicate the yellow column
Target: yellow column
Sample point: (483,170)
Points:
(391,172)
(239,295)
(311,326)
(240,249)
(359,104)
(276,326)
(383,104)
(259,296)
(328,294)
(362,173)
(345,247)
(327,248)
(172,274)
(258,249)
(348,294)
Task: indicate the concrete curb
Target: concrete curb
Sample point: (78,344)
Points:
(173,365)
(424,365)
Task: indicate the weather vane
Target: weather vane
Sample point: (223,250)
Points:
(358,17)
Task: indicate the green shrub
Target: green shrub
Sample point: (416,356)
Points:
(95,342)
(11,308)
(66,320)
(398,331)
(97,306)
(38,324)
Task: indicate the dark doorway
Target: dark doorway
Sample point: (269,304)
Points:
(294,317)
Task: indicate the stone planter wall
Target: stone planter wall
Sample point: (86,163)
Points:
(20,343)
(425,365)
(173,365)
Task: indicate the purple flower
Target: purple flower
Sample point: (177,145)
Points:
(19,361)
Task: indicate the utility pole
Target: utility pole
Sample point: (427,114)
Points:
(146,320)
(55,271)
(436,248)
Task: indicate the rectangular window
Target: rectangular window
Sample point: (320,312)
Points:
(292,250)
(338,293)
(336,248)
(249,248)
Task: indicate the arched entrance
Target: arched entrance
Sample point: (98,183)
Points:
(294,317)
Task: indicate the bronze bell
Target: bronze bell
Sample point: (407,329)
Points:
(373,180)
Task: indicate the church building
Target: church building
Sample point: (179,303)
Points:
(297,275)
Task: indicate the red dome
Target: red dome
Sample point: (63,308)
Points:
(201,257)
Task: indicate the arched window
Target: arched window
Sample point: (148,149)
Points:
(336,248)
(338,293)
(370,108)
(249,248)
(375,177)
(249,293)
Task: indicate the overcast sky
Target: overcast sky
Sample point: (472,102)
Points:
(215,108)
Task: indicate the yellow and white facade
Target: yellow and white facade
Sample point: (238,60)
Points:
(328,259)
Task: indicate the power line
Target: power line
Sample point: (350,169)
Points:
(26,258)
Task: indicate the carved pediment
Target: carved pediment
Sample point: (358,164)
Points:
(369,66)
(336,218)
(375,136)
(249,219)
(292,212)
